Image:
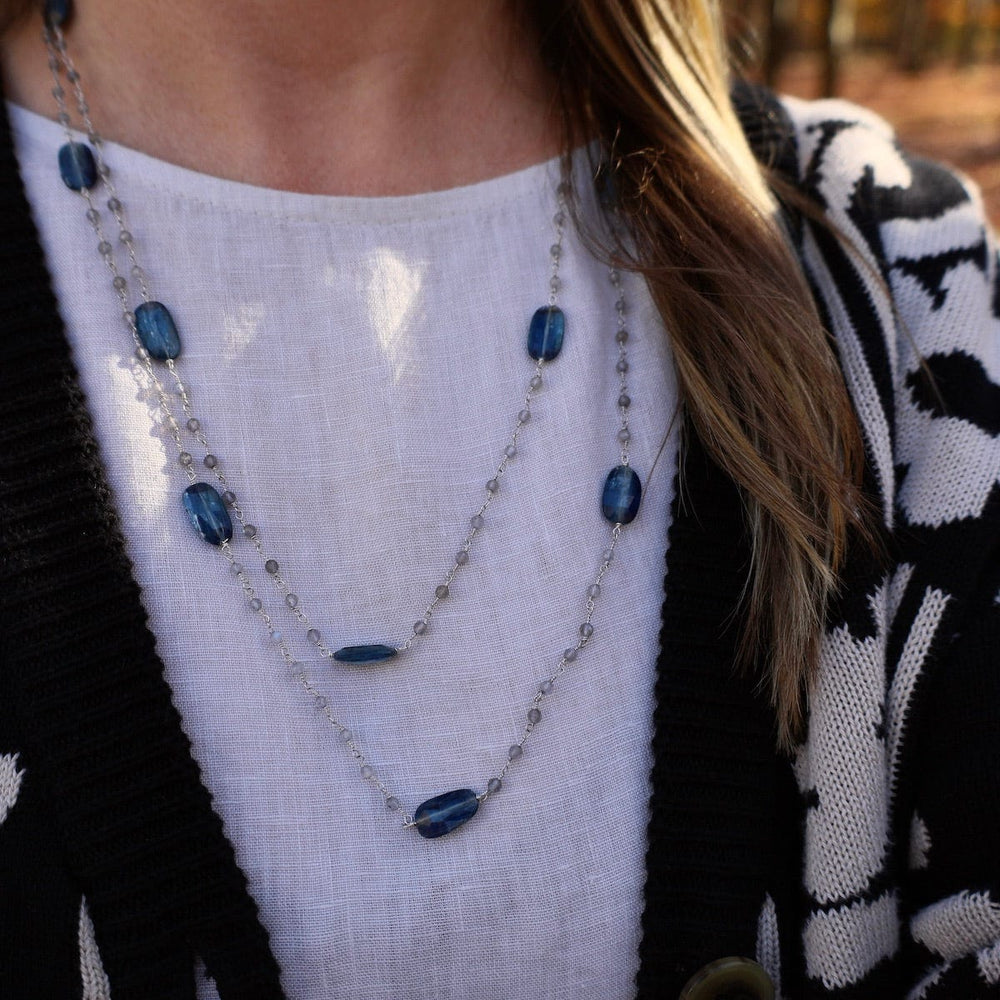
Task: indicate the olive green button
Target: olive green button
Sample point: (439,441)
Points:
(729,979)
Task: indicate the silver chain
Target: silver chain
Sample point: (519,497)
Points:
(62,66)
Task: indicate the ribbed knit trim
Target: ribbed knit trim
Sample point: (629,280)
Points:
(81,667)
(712,824)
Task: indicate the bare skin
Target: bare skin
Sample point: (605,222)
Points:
(359,97)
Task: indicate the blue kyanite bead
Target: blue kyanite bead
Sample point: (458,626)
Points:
(444,813)
(621,496)
(208,513)
(157,330)
(545,334)
(77,165)
(365,654)
(58,12)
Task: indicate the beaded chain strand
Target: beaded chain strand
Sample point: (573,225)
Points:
(156,340)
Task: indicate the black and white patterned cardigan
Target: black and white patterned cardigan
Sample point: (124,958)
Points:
(867,866)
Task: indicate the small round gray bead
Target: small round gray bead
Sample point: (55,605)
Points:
(624,435)
(536,382)
(514,752)
(125,236)
(569,655)
(271,566)
(622,336)
(321,702)
(236,568)
(477,521)
(229,497)
(256,604)
(250,530)
(277,636)
(622,366)
(313,635)
(292,600)
(104,248)
(419,628)
(510,451)
(346,735)
(594,590)
(461,557)
(534,716)
(194,424)
(494,785)
(524,416)
(119,283)
(607,555)
(185,458)
(556,250)
(545,687)
(586,630)
(367,771)
(93,215)
(441,591)
(493,486)
(625,400)
(393,804)
(210,461)
(114,204)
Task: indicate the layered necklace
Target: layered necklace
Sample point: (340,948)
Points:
(221,517)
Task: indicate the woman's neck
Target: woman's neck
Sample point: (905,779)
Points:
(363,97)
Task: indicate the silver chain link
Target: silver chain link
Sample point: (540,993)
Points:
(62,66)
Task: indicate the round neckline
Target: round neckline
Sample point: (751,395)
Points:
(29,127)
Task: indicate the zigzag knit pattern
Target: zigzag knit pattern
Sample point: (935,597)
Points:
(898,775)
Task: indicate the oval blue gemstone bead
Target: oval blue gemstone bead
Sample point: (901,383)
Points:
(157,330)
(77,166)
(622,493)
(444,813)
(208,513)
(545,334)
(365,654)
(58,12)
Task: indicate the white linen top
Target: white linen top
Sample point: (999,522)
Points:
(357,365)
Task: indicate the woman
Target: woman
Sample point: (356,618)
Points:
(351,213)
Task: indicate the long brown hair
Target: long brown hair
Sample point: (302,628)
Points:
(758,377)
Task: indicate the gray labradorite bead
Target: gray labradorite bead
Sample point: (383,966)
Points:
(545,334)
(157,330)
(365,654)
(208,513)
(77,166)
(444,813)
(622,493)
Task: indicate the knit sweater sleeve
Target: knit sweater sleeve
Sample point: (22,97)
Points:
(906,272)
(946,286)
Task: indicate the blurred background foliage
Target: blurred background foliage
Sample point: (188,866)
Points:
(932,67)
